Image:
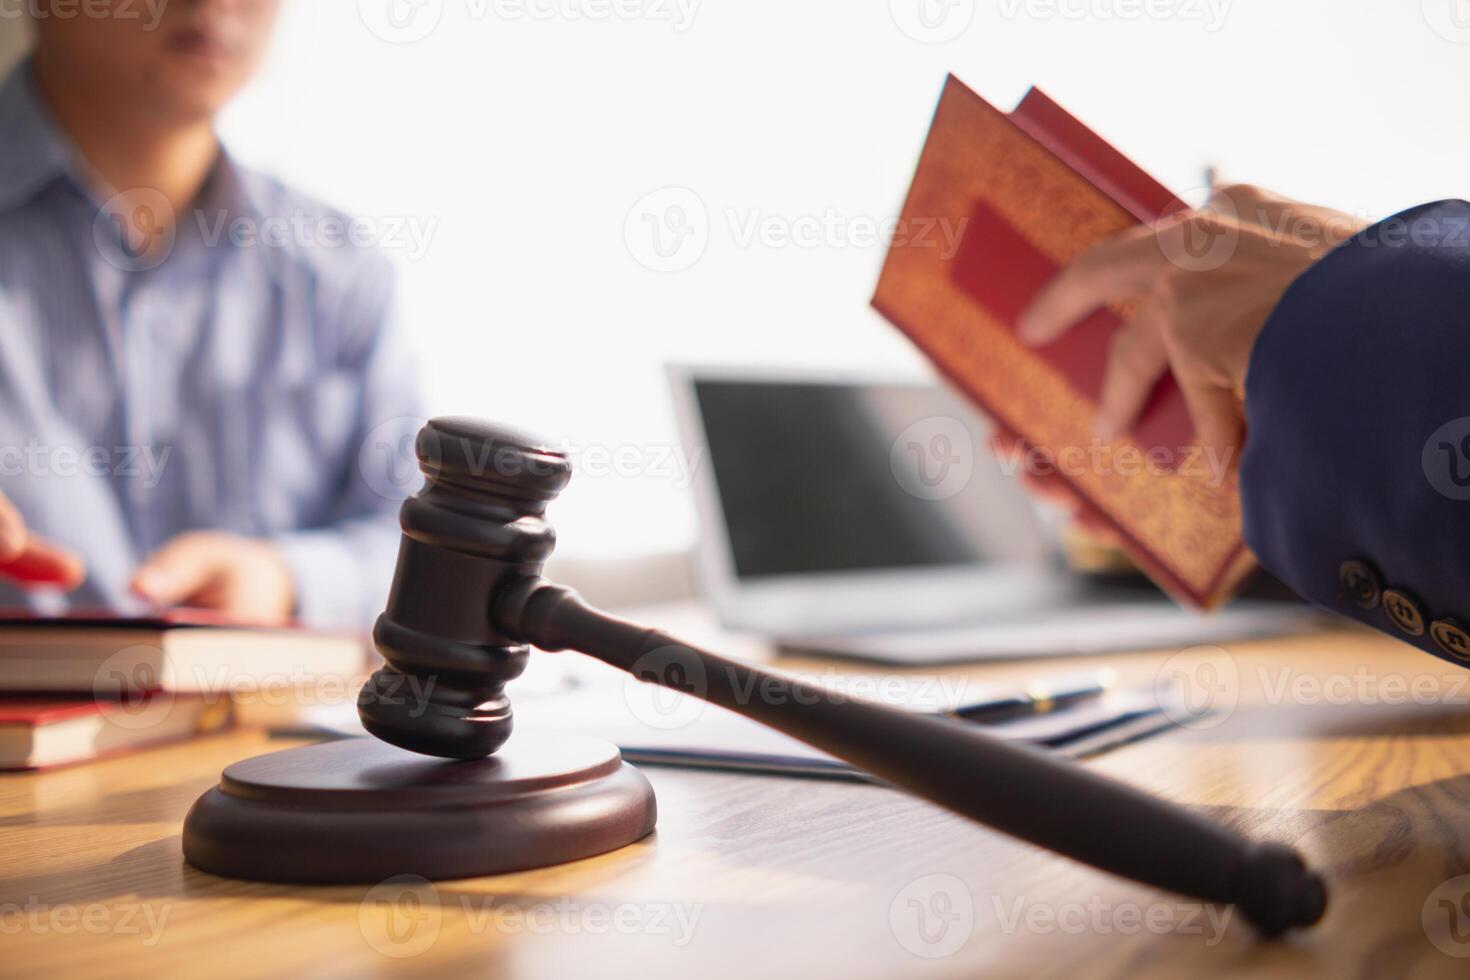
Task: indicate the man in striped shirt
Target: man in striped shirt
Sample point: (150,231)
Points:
(199,376)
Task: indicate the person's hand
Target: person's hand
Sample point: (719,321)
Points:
(30,560)
(242,578)
(1206,281)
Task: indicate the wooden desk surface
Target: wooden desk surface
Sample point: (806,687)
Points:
(1352,747)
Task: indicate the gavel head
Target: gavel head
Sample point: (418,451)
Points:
(476,525)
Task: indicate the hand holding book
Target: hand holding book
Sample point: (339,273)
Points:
(1206,281)
(1061,234)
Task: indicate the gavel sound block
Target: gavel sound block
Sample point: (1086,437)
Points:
(439,792)
(442,793)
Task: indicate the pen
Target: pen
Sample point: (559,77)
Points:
(1037,699)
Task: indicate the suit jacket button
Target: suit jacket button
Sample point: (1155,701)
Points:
(1404,611)
(1360,581)
(1451,637)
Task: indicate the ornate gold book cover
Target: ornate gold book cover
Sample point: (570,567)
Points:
(1024,193)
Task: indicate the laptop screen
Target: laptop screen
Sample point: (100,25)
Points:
(818,478)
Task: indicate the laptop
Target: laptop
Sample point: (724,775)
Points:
(866,517)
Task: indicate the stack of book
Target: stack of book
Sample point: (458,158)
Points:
(79,687)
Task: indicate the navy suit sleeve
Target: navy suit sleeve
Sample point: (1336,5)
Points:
(1356,474)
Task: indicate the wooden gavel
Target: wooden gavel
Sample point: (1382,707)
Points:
(468,601)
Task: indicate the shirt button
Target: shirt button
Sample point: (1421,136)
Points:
(1451,637)
(1360,582)
(1404,611)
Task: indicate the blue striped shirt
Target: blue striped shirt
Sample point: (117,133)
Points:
(244,377)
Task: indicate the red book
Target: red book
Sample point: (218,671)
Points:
(37,733)
(1026,192)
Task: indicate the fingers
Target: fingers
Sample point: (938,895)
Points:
(31,560)
(243,579)
(1215,411)
(42,562)
(1124,265)
(179,570)
(12,531)
(1136,362)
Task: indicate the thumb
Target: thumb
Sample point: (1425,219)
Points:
(178,570)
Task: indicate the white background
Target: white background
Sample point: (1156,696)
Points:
(524,141)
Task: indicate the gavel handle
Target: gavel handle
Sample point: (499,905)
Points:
(1025,792)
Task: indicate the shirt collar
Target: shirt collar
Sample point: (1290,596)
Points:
(229,188)
(36,153)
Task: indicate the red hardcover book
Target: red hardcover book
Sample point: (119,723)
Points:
(1026,192)
(38,733)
